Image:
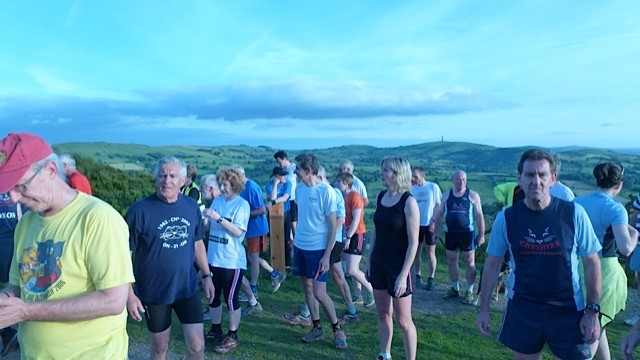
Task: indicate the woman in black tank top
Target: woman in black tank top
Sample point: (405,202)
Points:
(393,249)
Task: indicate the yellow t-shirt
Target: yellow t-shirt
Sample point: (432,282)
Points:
(81,249)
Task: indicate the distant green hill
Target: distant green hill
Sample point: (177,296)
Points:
(486,166)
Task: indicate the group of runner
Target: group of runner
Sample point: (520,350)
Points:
(71,264)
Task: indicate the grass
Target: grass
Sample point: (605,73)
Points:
(450,336)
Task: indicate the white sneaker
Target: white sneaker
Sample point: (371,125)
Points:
(632,321)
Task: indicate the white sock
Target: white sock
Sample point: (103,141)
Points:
(386,355)
(454,285)
(470,288)
(253,301)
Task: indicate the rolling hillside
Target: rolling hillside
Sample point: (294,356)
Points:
(485,165)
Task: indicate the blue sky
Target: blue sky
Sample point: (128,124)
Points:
(314,74)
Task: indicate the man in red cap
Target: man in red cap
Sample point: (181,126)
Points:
(71,269)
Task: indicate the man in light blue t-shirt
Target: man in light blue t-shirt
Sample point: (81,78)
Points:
(313,243)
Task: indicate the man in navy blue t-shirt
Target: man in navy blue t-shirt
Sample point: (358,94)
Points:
(545,237)
(165,237)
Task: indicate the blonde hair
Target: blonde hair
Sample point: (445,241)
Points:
(402,170)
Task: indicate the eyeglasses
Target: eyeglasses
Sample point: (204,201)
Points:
(25,185)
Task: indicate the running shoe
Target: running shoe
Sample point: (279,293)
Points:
(419,282)
(214,337)
(431,286)
(277,281)
(357,300)
(370,301)
(315,334)
(250,310)
(380,357)
(349,319)
(242,297)
(339,339)
(632,321)
(296,318)
(452,293)
(227,345)
(467,298)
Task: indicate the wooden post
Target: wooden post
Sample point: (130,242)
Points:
(276,230)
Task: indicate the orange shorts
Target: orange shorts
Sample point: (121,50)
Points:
(257,244)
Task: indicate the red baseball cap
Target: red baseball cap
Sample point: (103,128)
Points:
(18,151)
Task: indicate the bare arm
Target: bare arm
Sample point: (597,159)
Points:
(203,265)
(331,240)
(355,214)
(439,213)
(489,281)
(259,211)
(590,324)
(630,342)
(99,303)
(412,216)
(473,196)
(626,238)
(231,228)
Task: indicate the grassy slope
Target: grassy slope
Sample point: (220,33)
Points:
(448,337)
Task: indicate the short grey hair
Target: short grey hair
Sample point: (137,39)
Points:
(168,160)
(53,157)
(68,159)
(209,180)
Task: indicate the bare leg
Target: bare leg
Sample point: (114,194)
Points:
(309,299)
(433,260)
(320,293)
(234,319)
(452,263)
(160,344)
(341,283)
(194,339)
(353,268)
(402,308)
(385,320)
(603,352)
(254,262)
(470,266)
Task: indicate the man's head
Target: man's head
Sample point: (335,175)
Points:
(346,166)
(459,179)
(536,175)
(18,153)
(281,159)
(417,175)
(30,172)
(209,187)
(170,173)
(69,164)
(307,166)
(279,173)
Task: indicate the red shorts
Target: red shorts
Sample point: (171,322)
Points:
(257,244)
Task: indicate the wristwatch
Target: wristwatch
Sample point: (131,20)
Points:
(593,307)
(219,221)
(210,274)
